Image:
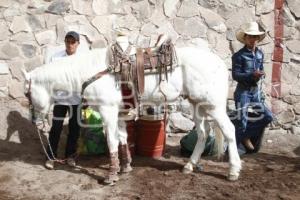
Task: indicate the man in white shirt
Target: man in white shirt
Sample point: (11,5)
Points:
(65,103)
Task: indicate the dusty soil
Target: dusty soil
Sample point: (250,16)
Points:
(274,173)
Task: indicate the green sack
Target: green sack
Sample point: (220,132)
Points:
(188,143)
(92,140)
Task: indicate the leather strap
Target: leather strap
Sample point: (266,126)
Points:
(153,61)
(94,78)
(140,70)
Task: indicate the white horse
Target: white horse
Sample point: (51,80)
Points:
(201,76)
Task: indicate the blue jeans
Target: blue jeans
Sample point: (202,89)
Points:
(250,125)
(60,112)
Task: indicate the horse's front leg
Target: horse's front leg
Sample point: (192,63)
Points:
(202,127)
(110,119)
(124,148)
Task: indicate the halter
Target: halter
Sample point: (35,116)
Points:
(31,107)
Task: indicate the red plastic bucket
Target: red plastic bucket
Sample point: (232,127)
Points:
(130,127)
(150,138)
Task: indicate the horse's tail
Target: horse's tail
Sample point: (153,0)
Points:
(219,141)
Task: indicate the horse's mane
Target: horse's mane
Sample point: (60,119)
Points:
(70,71)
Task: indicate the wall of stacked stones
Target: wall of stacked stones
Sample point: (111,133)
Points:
(30,29)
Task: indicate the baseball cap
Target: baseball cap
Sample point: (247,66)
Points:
(73,34)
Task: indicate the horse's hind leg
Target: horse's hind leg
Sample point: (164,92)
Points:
(202,128)
(228,130)
(110,119)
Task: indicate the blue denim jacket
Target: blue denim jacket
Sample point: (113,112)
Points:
(244,63)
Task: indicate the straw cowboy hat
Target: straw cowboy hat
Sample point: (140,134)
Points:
(249,29)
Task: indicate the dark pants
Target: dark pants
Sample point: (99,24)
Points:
(59,113)
(250,125)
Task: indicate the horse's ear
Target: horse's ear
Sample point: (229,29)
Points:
(25,74)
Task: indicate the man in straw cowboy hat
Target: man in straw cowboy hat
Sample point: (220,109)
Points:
(247,70)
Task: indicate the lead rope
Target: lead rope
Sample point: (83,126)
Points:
(165,122)
(51,156)
(31,107)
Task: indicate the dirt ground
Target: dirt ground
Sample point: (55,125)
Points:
(274,173)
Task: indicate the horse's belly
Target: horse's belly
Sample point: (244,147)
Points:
(159,91)
(103,91)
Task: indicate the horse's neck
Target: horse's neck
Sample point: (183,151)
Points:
(70,72)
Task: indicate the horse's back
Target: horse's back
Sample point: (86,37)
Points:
(202,59)
(205,74)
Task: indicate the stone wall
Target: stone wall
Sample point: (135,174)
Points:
(30,29)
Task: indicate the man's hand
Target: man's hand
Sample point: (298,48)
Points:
(258,74)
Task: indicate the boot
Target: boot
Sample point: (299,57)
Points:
(114,168)
(125,159)
(248,144)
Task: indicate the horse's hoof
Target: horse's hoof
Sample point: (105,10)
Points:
(233,177)
(186,171)
(111,179)
(126,169)
(234,173)
(188,168)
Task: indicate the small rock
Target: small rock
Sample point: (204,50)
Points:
(273,167)
(199,167)
(19,24)
(179,123)
(59,7)
(45,37)
(269,141)
(138,198)
(170,7)
(4,69)
(29,50)
(167,155)
(296,130)
(9,50)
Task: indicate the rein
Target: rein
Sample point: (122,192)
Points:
(94,78)
(90,81)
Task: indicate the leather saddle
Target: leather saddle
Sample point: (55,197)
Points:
(132,68)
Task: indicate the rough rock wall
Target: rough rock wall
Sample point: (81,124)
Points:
(31,28)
